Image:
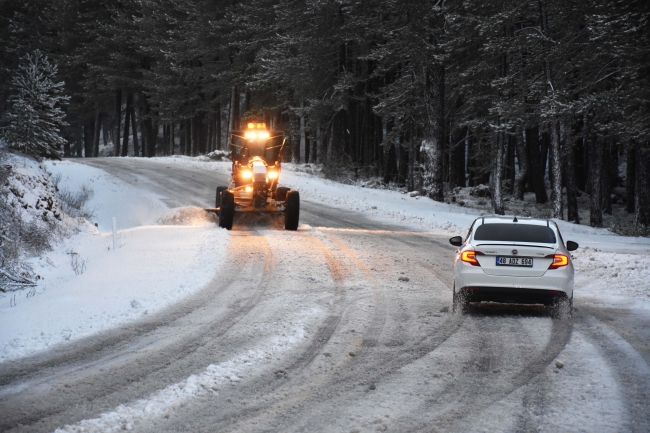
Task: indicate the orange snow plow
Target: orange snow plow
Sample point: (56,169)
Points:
(256,155)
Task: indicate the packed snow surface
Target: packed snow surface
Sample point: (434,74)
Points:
(609,267)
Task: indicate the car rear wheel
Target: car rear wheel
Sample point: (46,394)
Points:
(563,308)
(219,190)
(227,211)
(292,213)
(460,304)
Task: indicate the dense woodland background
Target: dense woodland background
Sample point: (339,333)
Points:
(428,95)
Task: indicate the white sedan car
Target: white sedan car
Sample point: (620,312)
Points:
(514,260)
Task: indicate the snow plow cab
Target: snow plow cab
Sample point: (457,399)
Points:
(256,166)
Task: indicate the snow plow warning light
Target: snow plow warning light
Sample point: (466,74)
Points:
(251,135)
(559,260)
(257,126)
(470,257)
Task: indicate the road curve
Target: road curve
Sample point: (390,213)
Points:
(356,316)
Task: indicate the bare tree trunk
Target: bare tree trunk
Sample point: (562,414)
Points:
(596,209)
(144,138)
(303,137)
(233,113)
(118,122)
(442,135)
(411,166)
(195,135)
(127,114)
(556,172)
(630,177)
(217,129)
(210,128)
(172,134)
(188,137)
(642,217)
(433,143)
(522,165)
(98,127)
(571,188)
(536,172)
(153,149)
(496,187)
(336,139)
(165,138)
(89,135)
(134,126)
(105,129)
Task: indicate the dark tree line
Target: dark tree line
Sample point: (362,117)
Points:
(428,94)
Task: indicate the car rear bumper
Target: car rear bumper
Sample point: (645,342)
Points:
(555,282)
(513,295)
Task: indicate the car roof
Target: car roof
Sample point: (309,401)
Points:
(494,219)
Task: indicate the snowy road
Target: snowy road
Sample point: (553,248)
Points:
(342,326)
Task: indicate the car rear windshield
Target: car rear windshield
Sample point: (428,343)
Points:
(515,233)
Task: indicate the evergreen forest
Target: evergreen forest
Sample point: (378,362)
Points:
(550,97)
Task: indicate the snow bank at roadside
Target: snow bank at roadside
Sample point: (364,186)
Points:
(86,287)
(111,197)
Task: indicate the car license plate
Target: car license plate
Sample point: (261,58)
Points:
(514,261)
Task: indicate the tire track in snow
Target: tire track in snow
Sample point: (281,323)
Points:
(168,344)
(282,397)
(371,363)
(631,368)
(475,399)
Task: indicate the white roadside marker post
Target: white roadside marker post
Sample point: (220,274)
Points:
(114,233)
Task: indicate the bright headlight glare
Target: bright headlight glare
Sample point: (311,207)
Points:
(249,134)
(249,189)
(272,174)
(263,135)
(246,174)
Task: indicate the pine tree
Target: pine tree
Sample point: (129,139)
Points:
(34,122)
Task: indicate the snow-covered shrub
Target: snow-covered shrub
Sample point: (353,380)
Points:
(73,204)
(624,229)
(30,217)
(33,123)
(219,155)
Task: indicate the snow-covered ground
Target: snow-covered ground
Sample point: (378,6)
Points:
(156,265)
(87,287)
(163,255)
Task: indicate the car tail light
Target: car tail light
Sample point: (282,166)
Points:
(559,260)
(469,256)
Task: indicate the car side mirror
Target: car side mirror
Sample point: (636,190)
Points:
(571,246)
(458,241)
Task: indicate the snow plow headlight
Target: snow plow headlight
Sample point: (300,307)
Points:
(272,174)
(246,174)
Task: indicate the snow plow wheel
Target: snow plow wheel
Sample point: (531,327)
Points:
(219,190)
(292,214)
(281,193)
(227,211)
